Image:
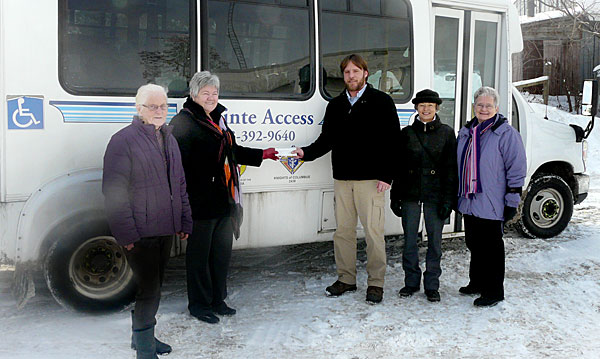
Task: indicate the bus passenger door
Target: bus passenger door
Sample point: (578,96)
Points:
(483,57)
(465,54)
(448,63)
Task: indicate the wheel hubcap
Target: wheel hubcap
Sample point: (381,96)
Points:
(98,268)
(550,209)
(546,208)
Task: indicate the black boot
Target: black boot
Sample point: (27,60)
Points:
(161,348)
(145,343)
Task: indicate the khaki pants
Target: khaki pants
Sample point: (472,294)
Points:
(353,200)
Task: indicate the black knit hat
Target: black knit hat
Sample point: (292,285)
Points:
(427,95)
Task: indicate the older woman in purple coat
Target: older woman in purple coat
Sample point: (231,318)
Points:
(146,204)
(491,169)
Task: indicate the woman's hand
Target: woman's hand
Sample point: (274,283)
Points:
(270,153)
(182,236)
(128,246)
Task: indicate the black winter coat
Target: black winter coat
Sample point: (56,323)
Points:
(431,175)
(203,160)
(360,137)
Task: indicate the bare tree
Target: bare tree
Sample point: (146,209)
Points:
(563,36)
(582,13)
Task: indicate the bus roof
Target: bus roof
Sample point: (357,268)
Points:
(488,4)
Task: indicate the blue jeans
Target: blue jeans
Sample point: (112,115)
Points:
(411,215)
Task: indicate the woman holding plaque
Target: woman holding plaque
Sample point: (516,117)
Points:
(210,157)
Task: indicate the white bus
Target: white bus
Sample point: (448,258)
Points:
(69,70)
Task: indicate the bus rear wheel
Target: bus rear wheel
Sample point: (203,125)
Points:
(87,270)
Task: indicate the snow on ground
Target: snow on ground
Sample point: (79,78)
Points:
(551,308)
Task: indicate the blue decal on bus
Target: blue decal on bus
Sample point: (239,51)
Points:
(101,112)
(25,113)
(404,116)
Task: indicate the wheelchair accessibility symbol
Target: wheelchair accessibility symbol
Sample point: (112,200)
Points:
(25,113)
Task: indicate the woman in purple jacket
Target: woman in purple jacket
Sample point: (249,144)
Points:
(146,204)
(491,169)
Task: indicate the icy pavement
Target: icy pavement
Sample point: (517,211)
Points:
(551,308)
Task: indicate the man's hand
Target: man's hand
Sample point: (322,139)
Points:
(128,246)
(270,153)
(182,236)
(298,152)
(382,186)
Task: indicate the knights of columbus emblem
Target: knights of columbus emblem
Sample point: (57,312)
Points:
(291,164)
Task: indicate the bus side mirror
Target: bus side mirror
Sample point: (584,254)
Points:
(589,99)
(589,103)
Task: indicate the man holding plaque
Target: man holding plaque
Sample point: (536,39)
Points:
(359,128)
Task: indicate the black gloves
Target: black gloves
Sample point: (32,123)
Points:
(396,207)
(509,213)
(444,211)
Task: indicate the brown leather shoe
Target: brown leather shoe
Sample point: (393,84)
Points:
(374,295)
(338,288)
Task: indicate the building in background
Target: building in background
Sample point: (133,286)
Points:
(557,44)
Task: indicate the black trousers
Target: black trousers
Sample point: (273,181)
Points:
(207,262)
(148,259)
(483,238)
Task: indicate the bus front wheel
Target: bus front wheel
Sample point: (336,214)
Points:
(547,207)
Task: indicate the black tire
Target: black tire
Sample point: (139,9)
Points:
(86,269)
(547,208)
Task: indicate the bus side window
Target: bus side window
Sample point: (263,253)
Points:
(112,47)
(260,49)
(378,30)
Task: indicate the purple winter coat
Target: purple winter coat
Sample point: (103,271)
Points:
(502,164)
(141,196)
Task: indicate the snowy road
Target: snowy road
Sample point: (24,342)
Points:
(551,308)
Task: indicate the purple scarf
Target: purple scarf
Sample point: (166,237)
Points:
(469,165)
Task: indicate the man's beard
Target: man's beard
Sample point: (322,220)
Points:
(356,85)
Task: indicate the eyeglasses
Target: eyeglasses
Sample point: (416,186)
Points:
(155,107)
(486,106)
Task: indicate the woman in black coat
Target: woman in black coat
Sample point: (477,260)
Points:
(210,158)
(426,177)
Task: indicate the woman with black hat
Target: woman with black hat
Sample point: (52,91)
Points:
(427,177)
